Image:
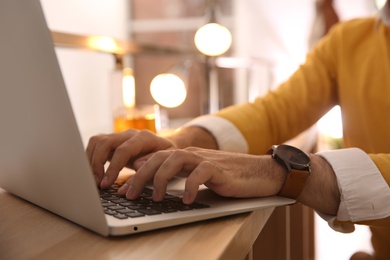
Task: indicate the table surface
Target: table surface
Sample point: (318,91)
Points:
(30,232)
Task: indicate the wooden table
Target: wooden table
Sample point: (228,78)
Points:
(29,232)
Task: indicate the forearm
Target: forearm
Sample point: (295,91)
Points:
(193,136)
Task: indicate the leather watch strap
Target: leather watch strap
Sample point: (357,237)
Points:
(294,183)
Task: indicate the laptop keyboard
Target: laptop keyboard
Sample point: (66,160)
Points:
(122,208)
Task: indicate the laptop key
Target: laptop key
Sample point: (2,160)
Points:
(119,201)
(149,211)
(120,216)
(116,207)
(125,211)
(148,191)
(135,214)
(137,207)
(128,203)
(164,209)
(110,212)
(108,204)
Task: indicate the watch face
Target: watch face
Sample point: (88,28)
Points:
(292,155)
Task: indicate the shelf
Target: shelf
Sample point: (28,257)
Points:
(111,45)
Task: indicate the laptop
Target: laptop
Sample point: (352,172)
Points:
(42,157)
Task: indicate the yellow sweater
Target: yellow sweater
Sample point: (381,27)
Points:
(349,67)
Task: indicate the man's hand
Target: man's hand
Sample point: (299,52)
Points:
(126,149)
(237,175)
(227,174)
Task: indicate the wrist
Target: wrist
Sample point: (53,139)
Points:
(280,174)
(321,192)
(193,136)
(272,176)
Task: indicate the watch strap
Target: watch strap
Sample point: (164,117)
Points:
(294,183)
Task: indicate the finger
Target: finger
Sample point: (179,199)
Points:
(91,146)
(136,184)
(202,174)
(140,161)
(100,149)
(178,163)
(141,143)
(89,151)
(109,139)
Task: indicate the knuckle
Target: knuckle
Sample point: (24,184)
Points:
(190,148)
(180,153)
(178,156)
(145,132)
(205,166)
(129,132)
(161,154)
(121,149)
(103,142)
(96,138)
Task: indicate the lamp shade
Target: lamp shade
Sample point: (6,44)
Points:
(168,89)
(128,88)
(380,4)
(213,39)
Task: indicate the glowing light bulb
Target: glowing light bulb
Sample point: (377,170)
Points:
(380,4)
(213,39)
(168,90)
(102,43)
(128,88)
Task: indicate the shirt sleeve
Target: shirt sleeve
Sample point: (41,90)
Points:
(228,137)
(365,195)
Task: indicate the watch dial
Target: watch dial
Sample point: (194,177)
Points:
(292,154)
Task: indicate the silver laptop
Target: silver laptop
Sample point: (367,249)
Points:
(42,158)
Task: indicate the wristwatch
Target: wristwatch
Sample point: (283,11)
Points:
(297,164)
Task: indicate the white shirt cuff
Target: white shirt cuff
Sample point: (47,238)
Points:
(228,137)
(365,195)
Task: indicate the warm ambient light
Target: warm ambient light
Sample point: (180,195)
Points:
(380,4)
(331,124)
(213,39)
(128,88)
(168,90)
(103,43)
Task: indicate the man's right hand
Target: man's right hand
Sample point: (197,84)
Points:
(126,149)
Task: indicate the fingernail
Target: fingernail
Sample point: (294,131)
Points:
(123,189)
(155,194)
(104,182)
(186,198)
(130,191)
